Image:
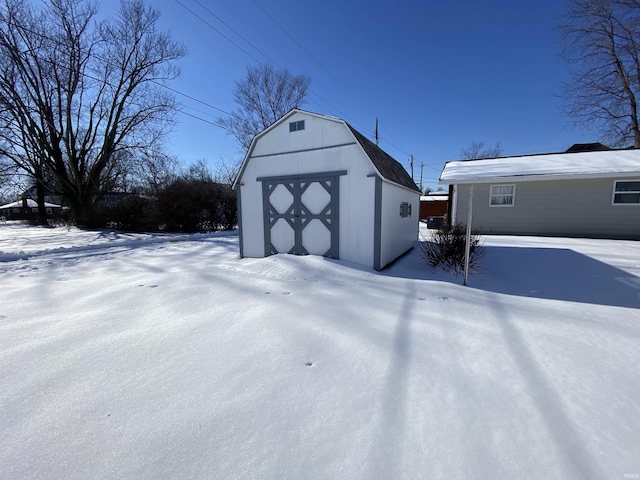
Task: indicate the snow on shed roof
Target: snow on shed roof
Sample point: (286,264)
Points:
(613,163)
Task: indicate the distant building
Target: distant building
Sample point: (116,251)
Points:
(434,204)
(27,209)
(575,193)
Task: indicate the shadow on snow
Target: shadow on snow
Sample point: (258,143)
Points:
(546,273)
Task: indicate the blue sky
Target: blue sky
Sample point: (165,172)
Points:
(439,75)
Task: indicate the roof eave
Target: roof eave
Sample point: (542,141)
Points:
(537,178)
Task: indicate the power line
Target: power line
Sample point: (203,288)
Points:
(331,107)
(232,29)
(136,94)
(325,69)
(216,30)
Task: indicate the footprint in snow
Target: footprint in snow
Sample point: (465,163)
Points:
(286,293)
(443,298)
(421,299)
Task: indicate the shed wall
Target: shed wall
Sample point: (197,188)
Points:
(399,234)
(323,146)
(554,207)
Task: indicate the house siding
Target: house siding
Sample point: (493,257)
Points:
(555,207)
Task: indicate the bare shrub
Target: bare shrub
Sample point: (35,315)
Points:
(446,249)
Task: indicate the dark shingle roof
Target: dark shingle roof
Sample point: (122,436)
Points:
(388,167)
(587,147)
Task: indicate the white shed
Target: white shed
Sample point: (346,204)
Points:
(312,184)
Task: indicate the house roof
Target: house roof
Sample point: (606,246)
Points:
(435,197)
(30,203)
(599,164)
(388,166)
(587,147)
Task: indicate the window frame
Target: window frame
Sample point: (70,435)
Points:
(633,192)
(296,126)
(405,209)
(512,195)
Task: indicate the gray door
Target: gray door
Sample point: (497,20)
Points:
(301,214)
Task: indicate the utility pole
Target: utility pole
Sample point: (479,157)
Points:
(411,165)
(421,167)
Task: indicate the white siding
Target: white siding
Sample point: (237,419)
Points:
(554,207)
(318,133)
(399,234)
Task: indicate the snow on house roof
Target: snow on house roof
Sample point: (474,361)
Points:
(30,203)
(613,163)
(435,197)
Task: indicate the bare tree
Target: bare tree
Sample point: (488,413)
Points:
(601,42)
(7,176)
(263,96)
(155,171)
(76,93)
(477,150)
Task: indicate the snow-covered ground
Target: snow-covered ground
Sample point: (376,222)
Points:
(150,357)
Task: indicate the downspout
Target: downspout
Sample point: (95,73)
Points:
(453,204)
(467,244)
(239,208)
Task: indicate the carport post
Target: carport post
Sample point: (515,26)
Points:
(467,244)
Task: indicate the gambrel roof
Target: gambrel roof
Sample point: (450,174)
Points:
(388,166)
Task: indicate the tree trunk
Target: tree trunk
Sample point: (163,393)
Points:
(42,209)
(83,211)
(41,219)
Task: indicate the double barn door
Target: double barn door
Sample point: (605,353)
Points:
(301,214)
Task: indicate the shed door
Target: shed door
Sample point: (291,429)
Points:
(301,214)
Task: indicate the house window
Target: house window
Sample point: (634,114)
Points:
(16,210)
(34,209)
(295,126)
(626,192)
(49,211)
(405,209)
(502,195)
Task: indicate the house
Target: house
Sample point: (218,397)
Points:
(312,184)
(575,193)
(434,204)
(27,209)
